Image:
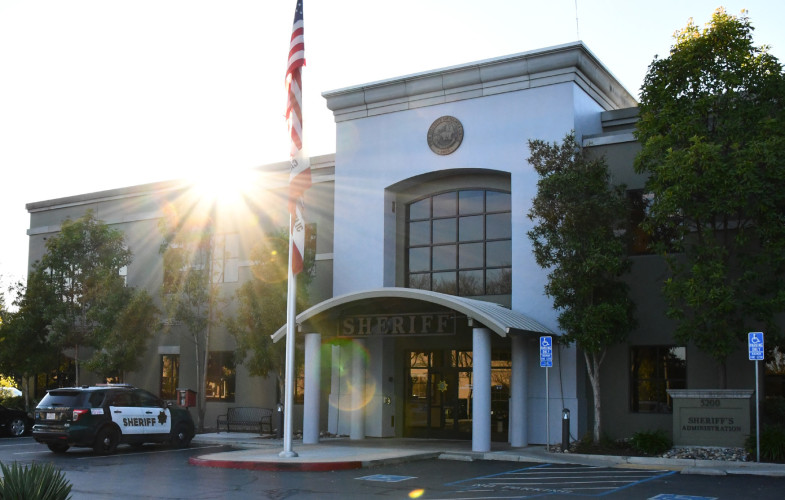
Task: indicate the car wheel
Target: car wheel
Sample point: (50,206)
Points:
(58,447)
(181,437)
(106,441)
(17,427)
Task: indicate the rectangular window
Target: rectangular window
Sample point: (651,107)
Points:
(225,258)
(221,374)
(654,370)
(170,375)
(460,243)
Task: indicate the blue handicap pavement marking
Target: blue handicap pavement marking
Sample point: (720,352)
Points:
(671,496)
(386,478)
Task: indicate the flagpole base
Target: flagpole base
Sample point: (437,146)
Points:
(288,454)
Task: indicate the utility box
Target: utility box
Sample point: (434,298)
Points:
(186,397)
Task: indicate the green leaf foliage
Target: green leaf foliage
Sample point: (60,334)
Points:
(191,288)
(135,320)
(41,482)
(25,347)
(261,304)
(713,146)
(651,442)
(76,296)
(81,267)
(578,237)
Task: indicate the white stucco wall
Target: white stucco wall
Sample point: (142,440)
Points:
(376,152)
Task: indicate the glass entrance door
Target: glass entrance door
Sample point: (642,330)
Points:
(434,406)
(438,402)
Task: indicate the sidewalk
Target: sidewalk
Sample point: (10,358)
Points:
(255,452)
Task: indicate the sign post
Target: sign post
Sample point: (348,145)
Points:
(546,361)
(755,346)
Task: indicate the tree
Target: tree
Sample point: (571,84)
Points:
(578,237)
(25,349)
(713,146)
(190,291)
(262,305)
(135,318)
(87,299)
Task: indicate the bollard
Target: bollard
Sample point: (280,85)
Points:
(565,430)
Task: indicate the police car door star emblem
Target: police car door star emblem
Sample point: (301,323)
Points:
(445,135)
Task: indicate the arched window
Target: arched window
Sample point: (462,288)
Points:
(459,242)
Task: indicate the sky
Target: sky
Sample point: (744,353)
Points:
(100,94)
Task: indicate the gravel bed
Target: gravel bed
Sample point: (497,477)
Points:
(709,453)
(694,453)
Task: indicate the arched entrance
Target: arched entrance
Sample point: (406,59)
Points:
(428,365)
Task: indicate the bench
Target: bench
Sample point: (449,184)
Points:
(246,418)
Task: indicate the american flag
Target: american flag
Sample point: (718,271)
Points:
(300,174)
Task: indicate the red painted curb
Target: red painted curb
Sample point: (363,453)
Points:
(276,466)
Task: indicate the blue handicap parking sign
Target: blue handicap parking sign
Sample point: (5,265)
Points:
(755,345)
(546,352)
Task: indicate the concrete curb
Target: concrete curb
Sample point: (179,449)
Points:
(253,453)
(277,466)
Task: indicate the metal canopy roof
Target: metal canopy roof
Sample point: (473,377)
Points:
(497,318)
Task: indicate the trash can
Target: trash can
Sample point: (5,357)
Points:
(186,397)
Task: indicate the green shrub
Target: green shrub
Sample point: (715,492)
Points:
(651,442)
(772,444)
(41,482)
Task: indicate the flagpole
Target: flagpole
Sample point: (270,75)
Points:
(291,317)
(299,181)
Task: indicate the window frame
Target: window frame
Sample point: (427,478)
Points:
(463,278)
(231,388)
(660,381)
(175,377)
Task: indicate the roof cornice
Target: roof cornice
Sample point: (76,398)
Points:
(572,62)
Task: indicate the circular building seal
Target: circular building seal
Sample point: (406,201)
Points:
(445,135)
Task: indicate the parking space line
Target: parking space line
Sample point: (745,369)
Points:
(548,478)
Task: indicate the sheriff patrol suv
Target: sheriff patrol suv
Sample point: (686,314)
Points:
(103,416)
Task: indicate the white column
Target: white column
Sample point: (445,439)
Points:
(481,390)
(358,391)
(313,366)
(519,394)
(333,412)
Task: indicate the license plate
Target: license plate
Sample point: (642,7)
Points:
(51,416)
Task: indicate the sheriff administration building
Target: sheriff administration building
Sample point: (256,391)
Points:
(427,303)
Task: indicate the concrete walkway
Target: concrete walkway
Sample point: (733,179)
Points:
(255,452)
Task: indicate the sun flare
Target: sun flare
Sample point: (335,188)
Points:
(227,188)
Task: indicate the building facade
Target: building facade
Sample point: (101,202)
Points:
(428,305)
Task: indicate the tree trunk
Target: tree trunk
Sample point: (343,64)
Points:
(593,363)
(200,385)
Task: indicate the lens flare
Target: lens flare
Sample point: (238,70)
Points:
(348,397)
(416,493)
